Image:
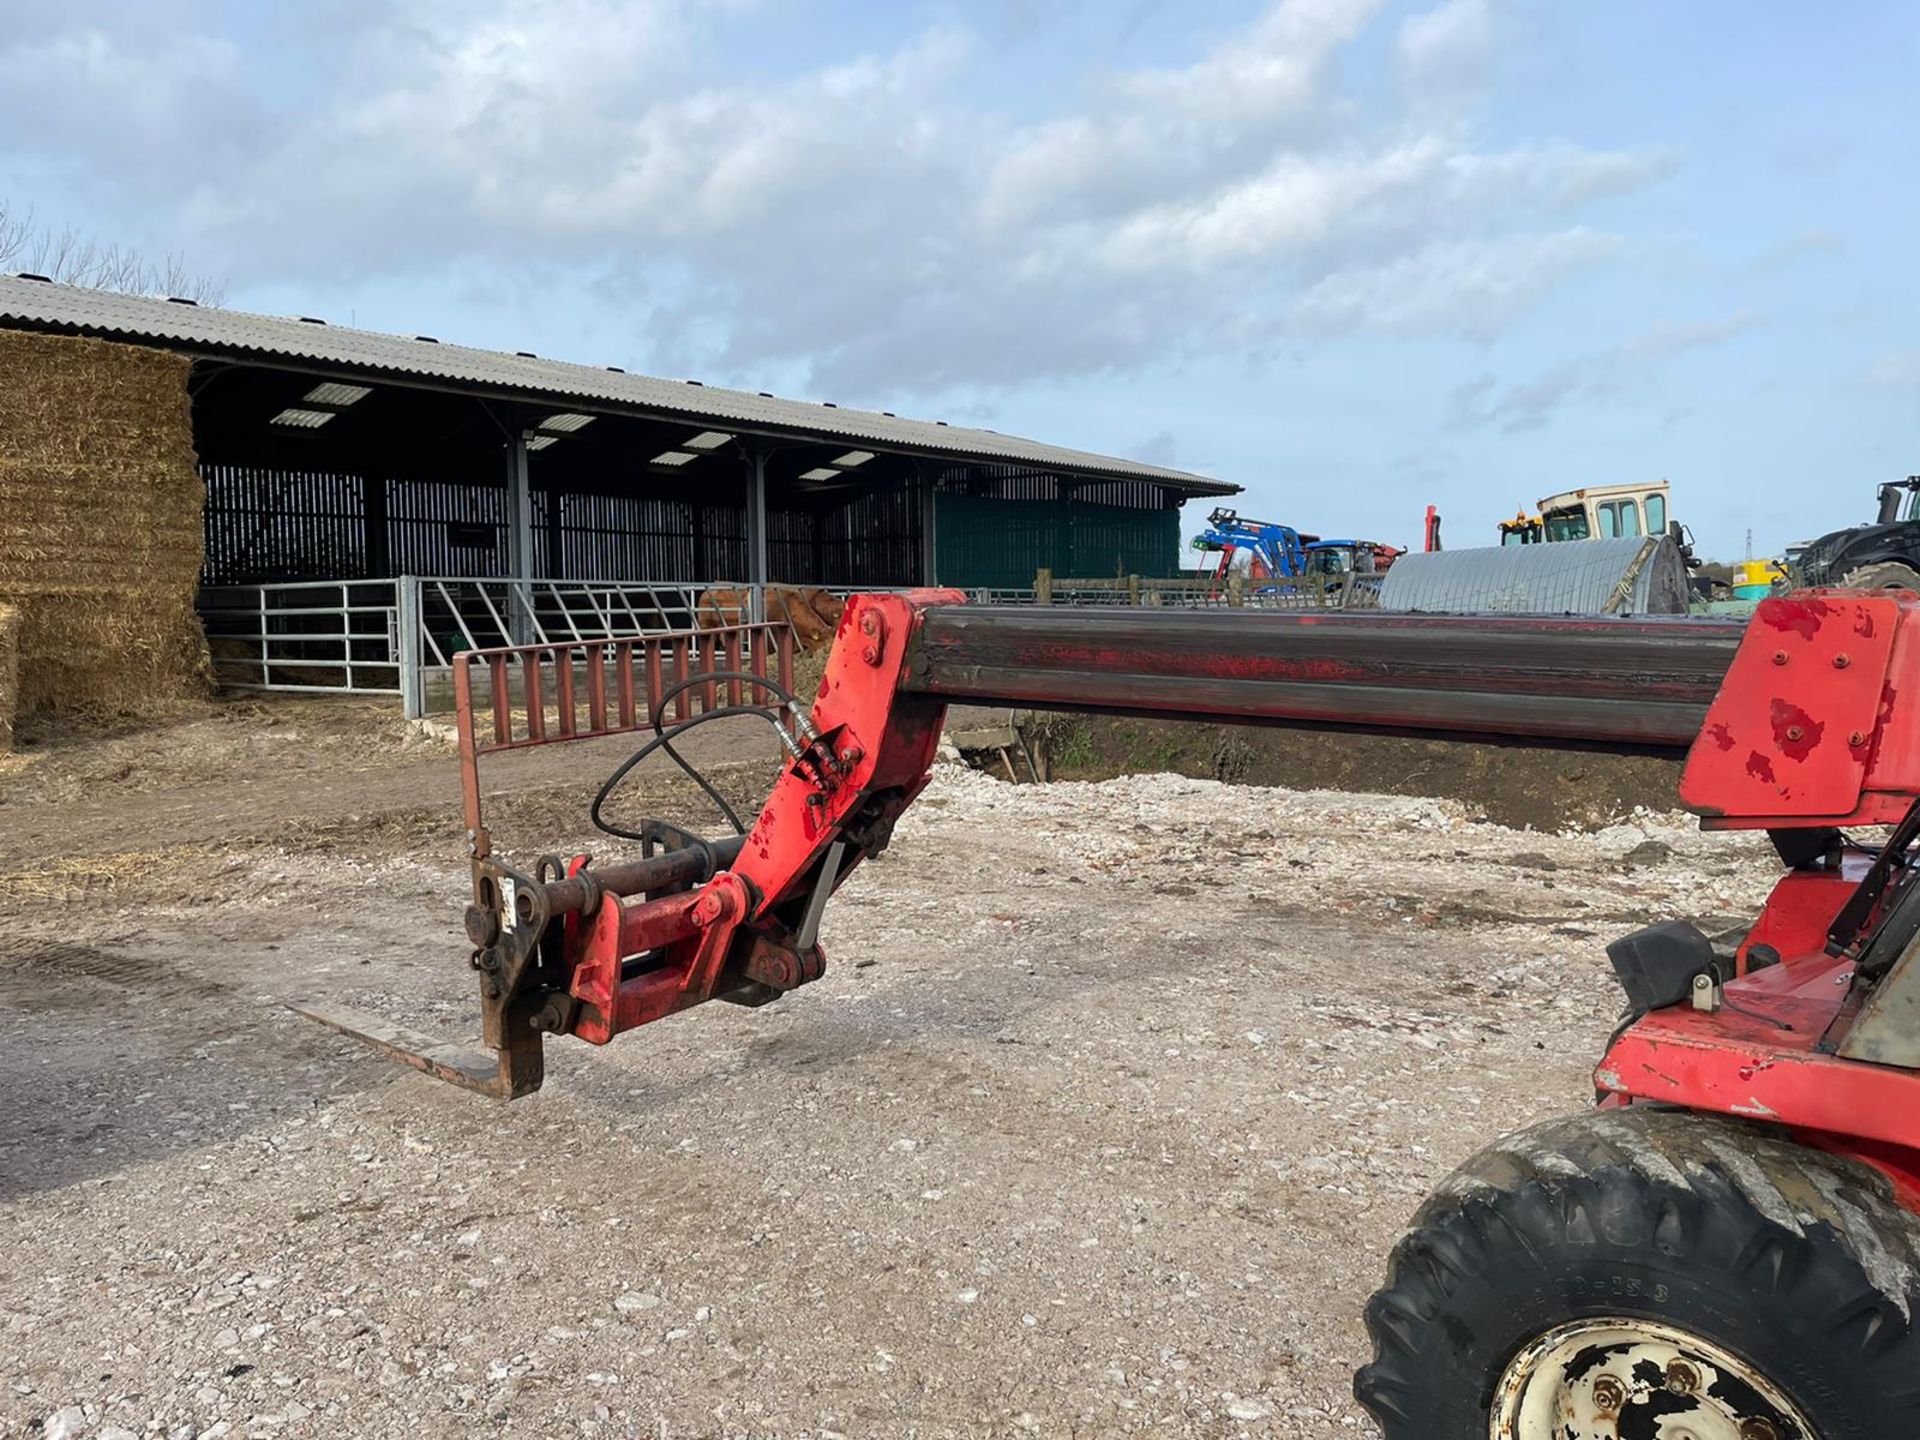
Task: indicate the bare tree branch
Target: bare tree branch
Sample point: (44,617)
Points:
(73,259)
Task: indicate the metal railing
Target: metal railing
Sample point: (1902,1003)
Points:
(444,615)
(514,697)
(1358,591)
(399,636)
(320,636)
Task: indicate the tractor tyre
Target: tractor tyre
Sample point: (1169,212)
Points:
(1887,575)
(1650,1272)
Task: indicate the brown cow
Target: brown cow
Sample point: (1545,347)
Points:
(813,613)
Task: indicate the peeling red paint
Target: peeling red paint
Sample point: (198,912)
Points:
(1760,767)
(1795,732)
(1721,735)
(1863,622)
(1802,615)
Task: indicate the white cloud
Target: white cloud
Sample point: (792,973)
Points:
(1471,288)
(1446,54)
(863,215)
(1615,370)
(1898,369)
(1274,68)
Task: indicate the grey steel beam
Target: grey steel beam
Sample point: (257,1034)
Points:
(1632,684)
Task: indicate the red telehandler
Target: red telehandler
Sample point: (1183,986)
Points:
(1723,1248)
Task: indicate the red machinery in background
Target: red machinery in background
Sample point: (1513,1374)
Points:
(1725,1248)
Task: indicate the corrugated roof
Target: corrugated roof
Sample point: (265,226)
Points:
(214,331)
(1574,577)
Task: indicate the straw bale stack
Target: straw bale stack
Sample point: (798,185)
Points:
(100,525)
(9,673)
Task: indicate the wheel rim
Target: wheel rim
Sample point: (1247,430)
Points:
(1601,1378)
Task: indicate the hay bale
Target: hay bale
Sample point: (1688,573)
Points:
(9,673)
(100,525)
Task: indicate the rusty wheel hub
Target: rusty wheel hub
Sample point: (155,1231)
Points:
(1600,1378)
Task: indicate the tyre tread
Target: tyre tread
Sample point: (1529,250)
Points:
(1822,1231)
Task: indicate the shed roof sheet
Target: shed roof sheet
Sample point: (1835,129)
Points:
(209,330)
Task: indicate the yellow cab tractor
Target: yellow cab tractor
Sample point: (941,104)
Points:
(1596,512)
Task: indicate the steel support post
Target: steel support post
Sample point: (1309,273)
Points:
(929,509)
(520,539)
(757,536)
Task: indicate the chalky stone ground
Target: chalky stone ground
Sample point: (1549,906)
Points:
(1103,1120)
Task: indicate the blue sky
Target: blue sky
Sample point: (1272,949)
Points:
(1357,256)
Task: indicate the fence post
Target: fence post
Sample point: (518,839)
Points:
(1133,589)
(266,665)
(1236,588)
(413,675)
(1043,587)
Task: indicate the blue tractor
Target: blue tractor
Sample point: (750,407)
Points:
(1279,553)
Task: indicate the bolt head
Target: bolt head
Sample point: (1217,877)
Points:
(1794,732)
(1756,1428)
(1857,738)
(1842,661)
(1779,657)
(1682,1378)
(1609,1394)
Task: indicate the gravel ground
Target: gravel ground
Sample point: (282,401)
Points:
(1102,1122)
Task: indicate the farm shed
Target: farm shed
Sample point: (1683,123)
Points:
(436,495)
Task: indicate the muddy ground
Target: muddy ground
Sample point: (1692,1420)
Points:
(1515,785)
(1102,1122)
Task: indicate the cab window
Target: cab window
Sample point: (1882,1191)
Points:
(1619,517)
(1656,514)
(1567,525)
(1326,562)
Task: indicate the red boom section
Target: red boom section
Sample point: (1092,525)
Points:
(1804,730)
(746,934)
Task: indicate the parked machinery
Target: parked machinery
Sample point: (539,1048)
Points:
(1724,1248)
(1279,552)
(1594,512)
(1882,556)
